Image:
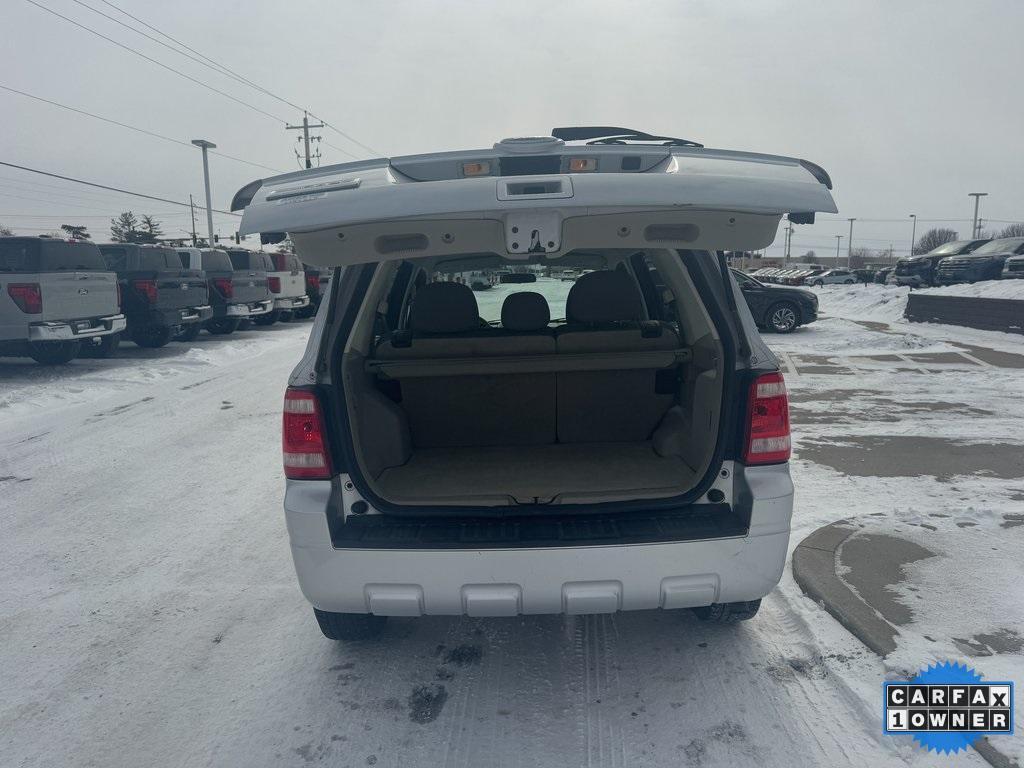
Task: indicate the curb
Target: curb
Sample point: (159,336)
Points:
(814,569)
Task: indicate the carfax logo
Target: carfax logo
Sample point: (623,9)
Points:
(947,707)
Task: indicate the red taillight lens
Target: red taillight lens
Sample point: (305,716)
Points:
(27,296)
(224,286)
(312,281)
(146,289)
(767,440)
(304,441)
(275,284)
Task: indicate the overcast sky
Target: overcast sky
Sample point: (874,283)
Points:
(909,105)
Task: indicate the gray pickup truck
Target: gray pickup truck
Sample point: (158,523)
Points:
(55,296)
(235,294)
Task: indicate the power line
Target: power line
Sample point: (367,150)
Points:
(113,189)
(155,61)
(217,67)
(132,127)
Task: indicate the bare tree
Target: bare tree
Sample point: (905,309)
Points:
(1013,230)
(5,231)
(859,257)
(933,238)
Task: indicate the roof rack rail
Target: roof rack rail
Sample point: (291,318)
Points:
(593,134)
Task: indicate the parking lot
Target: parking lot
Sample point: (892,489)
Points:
(158,613)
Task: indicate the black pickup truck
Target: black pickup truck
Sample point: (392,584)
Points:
(159,297)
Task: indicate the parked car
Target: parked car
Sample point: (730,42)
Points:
(984,263)
(864,275)
(1013,268)
(631,456)
(234,295)
(778,308)
(57,296)
(318,280)
(882,275)
(287,283)
(253,268)
(833,277)
(159,297)
(920,271)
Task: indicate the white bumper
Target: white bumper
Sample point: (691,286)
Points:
(571,580)
(250,310)
(70,330)
(292,302)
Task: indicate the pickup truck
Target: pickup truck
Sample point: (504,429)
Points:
(318,279)
(235,295)
(55,297)
(158,295)
(287,285)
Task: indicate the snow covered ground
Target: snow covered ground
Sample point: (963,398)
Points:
(149,614)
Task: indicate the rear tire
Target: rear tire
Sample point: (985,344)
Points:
(349,626)
(54,352)
(783,317)
(191,332)
(151,336)
(817,284)
(728,613)
(243,325)
(106,347)
(221,326)
(269,318)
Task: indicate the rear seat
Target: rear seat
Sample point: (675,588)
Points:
(604,313)
(448,411)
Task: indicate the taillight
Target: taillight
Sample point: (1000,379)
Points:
(312,281)
(275,284)
(224,286)
(146,289)
(767,440)
(27,296)
(304,440)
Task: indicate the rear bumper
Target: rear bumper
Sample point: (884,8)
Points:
(177,316)
(292,302)
(506,582)
(252,309)
(71,330)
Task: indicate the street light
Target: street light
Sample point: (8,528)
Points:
(977,198)
(913,233)
(207,145)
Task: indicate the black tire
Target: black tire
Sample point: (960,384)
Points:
(783,317)
(306,312)
(190,332)
(817,284)
(349,626)
(286,316)
(221,326)
(105,346)
(54,352)
(244,325)
(269,318)
(151,336)
(728,613)
(849,282)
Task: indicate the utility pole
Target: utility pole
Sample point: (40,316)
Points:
(206,146)
(977,198)
(789,240)
(849,244)
(305,136)
(192,206)
(838,239)
(913,234)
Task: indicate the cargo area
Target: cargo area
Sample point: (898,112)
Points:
(602,388)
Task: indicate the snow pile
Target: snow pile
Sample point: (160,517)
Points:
(883,303)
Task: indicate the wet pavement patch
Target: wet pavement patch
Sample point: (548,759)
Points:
(874,564)
(906,456)
(464,655)
(989,643)
(426,702)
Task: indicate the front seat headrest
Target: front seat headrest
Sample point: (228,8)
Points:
(444,308)
(525,311)
(605,296)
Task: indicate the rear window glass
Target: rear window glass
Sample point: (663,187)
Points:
(216,261)
(239,259)
(42,256)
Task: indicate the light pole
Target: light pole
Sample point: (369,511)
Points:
(849,244)
(977,198)
(913,234)
(205,146)
(838,238)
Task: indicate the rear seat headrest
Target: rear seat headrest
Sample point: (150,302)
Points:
(605,296)
(444,308)
(525,311)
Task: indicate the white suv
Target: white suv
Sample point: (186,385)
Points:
(620,442)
